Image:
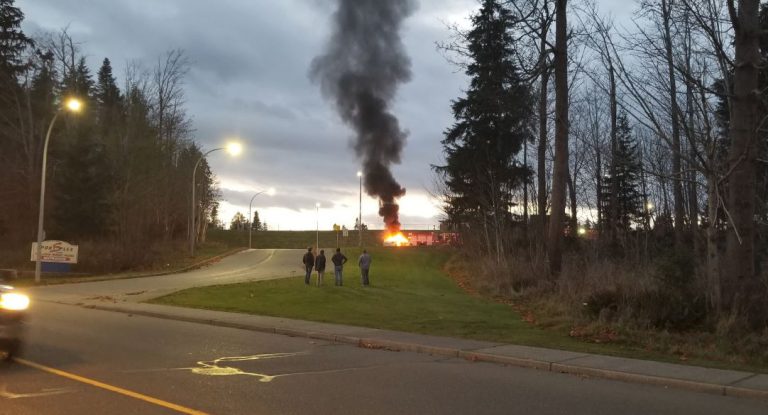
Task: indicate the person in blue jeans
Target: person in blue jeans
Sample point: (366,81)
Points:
(365,265)
(309,263)
(338,260)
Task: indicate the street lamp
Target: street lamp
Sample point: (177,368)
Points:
(271,192)
(72,105)
(234,149)
(317,230)
(360,212)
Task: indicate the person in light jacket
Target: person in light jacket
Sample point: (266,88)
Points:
(365,265)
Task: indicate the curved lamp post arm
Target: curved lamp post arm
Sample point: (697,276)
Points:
(192,222)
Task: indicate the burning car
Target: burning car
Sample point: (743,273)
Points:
(396,239)
(13,306)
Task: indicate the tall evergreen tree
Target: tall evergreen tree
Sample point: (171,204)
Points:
(493,120)
(78,82)
(13,45)
(629,197)
(109,103)
(256,223)
(13,41)
(106,92)
(83,179)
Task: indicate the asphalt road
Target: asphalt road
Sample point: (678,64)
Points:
(228,371)
(249,265)
(81,361)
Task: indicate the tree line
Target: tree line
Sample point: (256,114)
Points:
(115,171)
(640,147)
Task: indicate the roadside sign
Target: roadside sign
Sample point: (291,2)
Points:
(345,231)
(56,251)
(336,227)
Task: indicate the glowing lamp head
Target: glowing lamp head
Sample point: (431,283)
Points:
(271,191)
(234,149)
(649,206)
(74,105)
(317,205)
(14,301)
(359,174)
(582,231)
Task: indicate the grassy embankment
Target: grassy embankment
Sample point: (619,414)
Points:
(410,292)
(172,257)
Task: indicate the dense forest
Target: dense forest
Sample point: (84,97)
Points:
(114,168)
(618,172)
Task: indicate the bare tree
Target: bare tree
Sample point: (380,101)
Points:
(742,288)
(560,173)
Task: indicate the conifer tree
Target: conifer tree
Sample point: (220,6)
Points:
(256,224)
(629,197)
(13,41)
(493,120)
(109,103)
(82,181)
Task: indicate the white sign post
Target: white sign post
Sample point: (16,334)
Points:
(56,251)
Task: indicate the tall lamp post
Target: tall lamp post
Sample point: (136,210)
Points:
(270,192)
(72,105)
(233,149)
(360,212)
(317,230)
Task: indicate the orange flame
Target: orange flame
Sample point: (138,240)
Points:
(396,239)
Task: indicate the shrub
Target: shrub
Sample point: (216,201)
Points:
(676,271)
(603,302)
(666,309)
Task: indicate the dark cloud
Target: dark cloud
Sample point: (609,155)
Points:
(248,78)
(287,199)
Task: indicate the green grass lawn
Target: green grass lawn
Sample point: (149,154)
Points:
(409,292)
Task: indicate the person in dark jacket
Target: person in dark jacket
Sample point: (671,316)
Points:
(309,263)
(320,267)
(338,260)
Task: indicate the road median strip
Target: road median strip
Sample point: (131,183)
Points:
(470,355)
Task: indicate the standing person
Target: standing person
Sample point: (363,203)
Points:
(338,260)
(365,265)
(320,267)
(309,263)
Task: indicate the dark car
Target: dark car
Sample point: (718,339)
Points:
(13,306)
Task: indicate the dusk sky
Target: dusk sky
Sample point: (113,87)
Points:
(249,79)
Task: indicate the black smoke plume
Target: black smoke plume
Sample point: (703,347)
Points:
(361,69)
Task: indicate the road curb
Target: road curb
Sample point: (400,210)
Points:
(506,360)
(628,377)
(381,344)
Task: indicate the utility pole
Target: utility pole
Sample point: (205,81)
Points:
(360,213)
(317,230)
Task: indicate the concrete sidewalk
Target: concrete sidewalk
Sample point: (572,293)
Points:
(715,381)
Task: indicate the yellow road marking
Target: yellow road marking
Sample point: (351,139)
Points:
(115,389)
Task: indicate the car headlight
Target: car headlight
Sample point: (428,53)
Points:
(14,301)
